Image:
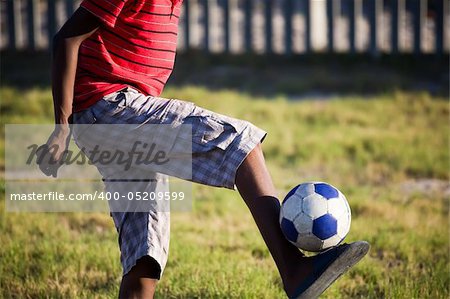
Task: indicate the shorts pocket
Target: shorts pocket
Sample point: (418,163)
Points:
(82,121)
(210,132)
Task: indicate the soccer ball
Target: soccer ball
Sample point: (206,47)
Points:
(315,216)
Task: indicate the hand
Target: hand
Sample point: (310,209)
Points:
(50,155)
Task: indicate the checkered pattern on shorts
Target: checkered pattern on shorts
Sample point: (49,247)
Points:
(219,145)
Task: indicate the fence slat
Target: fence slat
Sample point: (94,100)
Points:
(206,24)
(248,4)
(374,14)
(31,32)
(187,37)
(394,25)
(441,9)
(307,10)
(51,21)
(419,11)
(268,25)
(330,24)
(358,15)
(288,10)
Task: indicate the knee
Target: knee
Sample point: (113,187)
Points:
(252,163)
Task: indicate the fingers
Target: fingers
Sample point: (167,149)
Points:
(46,161)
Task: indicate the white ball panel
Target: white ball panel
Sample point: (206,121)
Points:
(346,204)
(291,208)
(337,207)
(344,222)
(303,223)
(315,206)
(309,243)
(331,241)
(304,190)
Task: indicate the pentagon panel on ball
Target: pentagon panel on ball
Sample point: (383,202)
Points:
(315,216)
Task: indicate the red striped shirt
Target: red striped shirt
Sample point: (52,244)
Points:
(135,46)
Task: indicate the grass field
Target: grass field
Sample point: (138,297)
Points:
(388,153)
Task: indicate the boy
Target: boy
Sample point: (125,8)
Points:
(111,60)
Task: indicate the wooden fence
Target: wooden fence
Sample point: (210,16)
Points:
(265,26)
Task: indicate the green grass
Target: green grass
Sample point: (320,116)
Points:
(378,150)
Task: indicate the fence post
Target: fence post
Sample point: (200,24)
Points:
(206,24)
(441,9)
(186,26)
(69,8)
(375,10)
(419,10)
(268,25)
(10,5)
(352,25)
(226,24)
(288,9)
(330,24)
(308,25)
(248,25)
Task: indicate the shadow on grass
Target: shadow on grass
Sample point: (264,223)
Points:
(318,75)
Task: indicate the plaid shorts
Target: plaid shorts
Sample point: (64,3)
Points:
(219,146)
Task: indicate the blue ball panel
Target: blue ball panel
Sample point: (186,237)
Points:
(289,230)
(291,193)
(326,190)
(325,227)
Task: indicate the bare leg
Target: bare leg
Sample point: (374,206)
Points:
(141,281)
(256,188)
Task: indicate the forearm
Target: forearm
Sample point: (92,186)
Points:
(64,65)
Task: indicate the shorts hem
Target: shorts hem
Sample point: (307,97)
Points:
(149,252)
